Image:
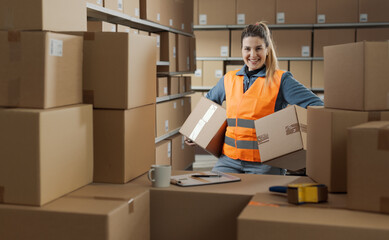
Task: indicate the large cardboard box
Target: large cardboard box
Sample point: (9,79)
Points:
(372,34)
(327,37)
(292,43)
(272,221)
(206,126)
(124,143)
(362,81)
(96,2)
(131,8)
(40,149)
(163,152)
(333,11)
(114,63)
(367,164)
(168,53)
(40,69)
(282,138)
(327,143)
(295,11)
(212,43)
(150,10)
(207,10)
(183,53)
(182,155)
(373,11)
(318,74)
(162,86)
(96,212)
(212,72)
(301,71)
(101,26)
(168,117)
(116,5)
(53,15)
(236,46)
(252,11)
(207,212)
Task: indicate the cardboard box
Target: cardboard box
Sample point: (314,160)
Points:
(367,162)
(124,143)
(318,74)
(296,11)
(236,46)
(292,43)
(195,12)
(372,34)
(116,5)
(327,143)
(54,15)
(282,138)
(150,10)
(158,38)
(327,37)
(180,14)
(182,155)
(34,160)
(88,213)
(197,77)
(207,10)
(188,83)
(183,53)
(192,54)
(182,84)
(101,26)
(252,11)
(212,43)
(114,63)
(174,85)
(272,221)
(213,72)
(162,86)
(40,69)
(332,11)
(362,81)
(96,2)
(168,49)
(373,11)
(169,117)
(131,8)
(206,126)
(143,33)
(301,71)
(163,152)
(206,212)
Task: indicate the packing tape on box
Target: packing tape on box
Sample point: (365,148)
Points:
(384,205)
(89,36)
(383,138)
(1,194)
(295,128)
(201,123)
(374,116)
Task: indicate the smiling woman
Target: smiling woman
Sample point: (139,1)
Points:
(255,91)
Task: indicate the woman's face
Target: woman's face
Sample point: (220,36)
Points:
(254,52)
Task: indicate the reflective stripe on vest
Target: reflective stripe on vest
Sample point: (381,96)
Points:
(243,108)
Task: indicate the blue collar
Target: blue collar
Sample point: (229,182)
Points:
(261,73)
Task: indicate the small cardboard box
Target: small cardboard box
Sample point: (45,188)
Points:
(236,48)
(272,220)
(150,10)
(118,73)
(163,152)
(182,155)
(44,154)
(124,143)
(282,138)
(293,43)
(116,5)
(207,10)
(183,52)
(206,126)
(168,49)
(295,12)
(42,15)
(212,43)
(40,69)
(131,8)
(174,85)
(367,165)
(362,81)
(169,117)
(373,11)
(327,143)
(162,86)
(252,11)
(333,11)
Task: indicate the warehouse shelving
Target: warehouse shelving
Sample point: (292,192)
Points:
(167,135)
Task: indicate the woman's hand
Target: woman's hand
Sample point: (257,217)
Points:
(189,142)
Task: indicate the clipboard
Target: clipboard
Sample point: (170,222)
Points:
(196,179)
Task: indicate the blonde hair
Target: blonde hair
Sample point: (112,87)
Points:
(260,29)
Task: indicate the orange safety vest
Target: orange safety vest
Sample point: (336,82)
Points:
(242,109)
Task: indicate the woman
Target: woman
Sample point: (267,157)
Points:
(255,91)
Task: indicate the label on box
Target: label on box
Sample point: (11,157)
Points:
(137,12)
(218,73)
(56,47)
(321,18)
(166,125)
(174,105)
(100,2)
(182,26)
(280,17)
(183,142)
(171,22)
(198,73)
(169,149)
(158,17)
(174,52)
(224,51)
(363,17)
(165,90)
(241,18)
(113,28)
(120,5)
(305,51)
(203,19)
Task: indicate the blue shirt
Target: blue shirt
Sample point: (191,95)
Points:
(291,91)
